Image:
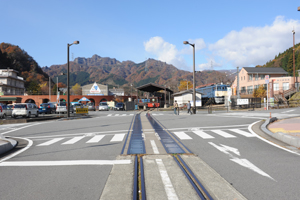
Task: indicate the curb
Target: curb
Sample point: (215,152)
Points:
(7,145)
(289,139)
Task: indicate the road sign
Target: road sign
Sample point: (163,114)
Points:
(267,79)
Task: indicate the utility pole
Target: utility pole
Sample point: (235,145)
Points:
(294,59)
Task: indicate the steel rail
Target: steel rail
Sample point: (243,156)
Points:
(130,129)
(199,188)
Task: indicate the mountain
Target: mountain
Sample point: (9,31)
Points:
(14,57)
(285,60)
(114,73)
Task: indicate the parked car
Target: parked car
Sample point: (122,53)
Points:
(1,111)
(103,106)
(47,108)
(119,106)
(91,106)
(77,105)
(25,110)
(61,107)
(6,110)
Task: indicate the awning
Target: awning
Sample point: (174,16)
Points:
(84,99)
(151,87)
(13,99)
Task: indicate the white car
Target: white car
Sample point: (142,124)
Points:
(61,107)
(25,110)
(103,106)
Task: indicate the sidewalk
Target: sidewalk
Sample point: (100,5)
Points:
(285,130)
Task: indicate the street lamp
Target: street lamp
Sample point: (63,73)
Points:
(299,8)
(68,78)
(194,91)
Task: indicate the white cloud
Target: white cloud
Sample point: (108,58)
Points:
(165,51)
(256,45)
(169,53)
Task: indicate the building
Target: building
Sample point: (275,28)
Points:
(250,78)
(10,83)
(117,92)
(183,97)
(95,89)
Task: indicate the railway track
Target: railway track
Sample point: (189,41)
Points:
(162,168)
(136,146)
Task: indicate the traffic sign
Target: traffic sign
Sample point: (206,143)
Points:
(267,79)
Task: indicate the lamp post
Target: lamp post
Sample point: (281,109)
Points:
(194,92)
(68,79)
(299,8)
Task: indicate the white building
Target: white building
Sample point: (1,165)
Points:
(95,89)
(10,83)
(183,97)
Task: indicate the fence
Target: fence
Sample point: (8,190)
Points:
(252,103)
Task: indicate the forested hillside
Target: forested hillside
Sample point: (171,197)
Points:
(14,57)
(285,60)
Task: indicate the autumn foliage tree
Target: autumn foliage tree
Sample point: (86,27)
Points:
(260,92)
(76,89)
(185,85)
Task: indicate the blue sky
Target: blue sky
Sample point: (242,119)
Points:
(227,33)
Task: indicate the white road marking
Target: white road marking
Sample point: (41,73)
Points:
(18,152)
(95,139)
(118,137)
(109,115)
(73,140)
(117,114)
(20,128)
(50,142)
(203,135)
(246,163)
(244,133)
(267,141)
(182,135)
(206,127)
(223,134)
(170,191)
(65,163)
(124,115)
(288,111)
(154,147)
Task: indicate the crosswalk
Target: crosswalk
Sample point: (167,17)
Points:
(211,134)
(85,139)
(119,115)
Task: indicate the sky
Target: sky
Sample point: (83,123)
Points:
(226,33)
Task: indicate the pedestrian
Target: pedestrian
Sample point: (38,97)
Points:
(189,108)
(175,107)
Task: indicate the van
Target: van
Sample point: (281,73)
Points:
(25,110)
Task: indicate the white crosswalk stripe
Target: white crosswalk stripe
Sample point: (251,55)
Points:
(119,115)
(223,134)
(51,142)
(182,135)
(241,132)
(74,140)
(209,134)
(118,137)
(203,134)
(92,139)
(95,139)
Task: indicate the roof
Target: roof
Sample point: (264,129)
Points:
(151,87)
(265,70)
(184,92)
(208,84)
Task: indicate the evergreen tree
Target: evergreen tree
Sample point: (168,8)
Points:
(290,65)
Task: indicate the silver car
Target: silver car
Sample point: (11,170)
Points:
(25,110)
(61,107)
(6,110)
(103,106)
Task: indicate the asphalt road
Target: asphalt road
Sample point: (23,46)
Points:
(68,141)
(255,168)
(71,159)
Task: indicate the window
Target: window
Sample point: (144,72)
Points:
(276,86)
(250,89)
(250,77)
(286,86)
(262,77)
(256,77)
(256,86)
